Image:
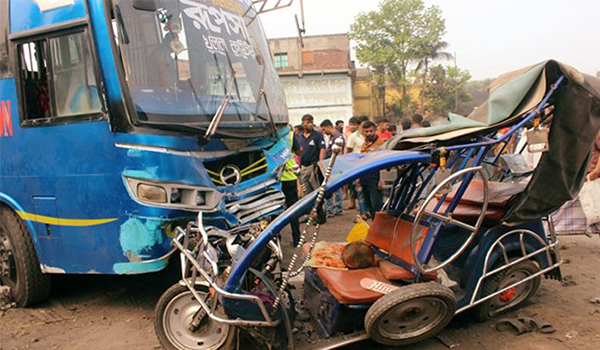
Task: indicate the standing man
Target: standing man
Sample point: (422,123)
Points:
(289,186)
(417,121)
(334,204)
(356,139)
(406,124)
(351,128)
(393,130)
(310,146)
(339,125)
(382,130)
(370,182)
(354,144)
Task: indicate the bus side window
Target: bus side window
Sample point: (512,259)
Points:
(73,76)
(34,79)
(57,77)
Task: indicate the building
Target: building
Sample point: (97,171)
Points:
(365,102)
(317,78)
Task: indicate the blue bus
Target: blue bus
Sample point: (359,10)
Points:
(122,119)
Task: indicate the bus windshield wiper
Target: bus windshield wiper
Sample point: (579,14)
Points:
(261,96)
(216,119)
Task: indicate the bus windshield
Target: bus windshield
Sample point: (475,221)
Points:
(182,56)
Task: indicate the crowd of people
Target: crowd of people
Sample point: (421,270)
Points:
(311,144)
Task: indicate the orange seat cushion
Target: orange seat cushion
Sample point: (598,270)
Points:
(392,235)
(394,272)
(345,286)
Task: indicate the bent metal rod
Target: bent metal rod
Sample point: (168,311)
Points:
(337,149)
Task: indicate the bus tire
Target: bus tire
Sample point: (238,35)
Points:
(19,265)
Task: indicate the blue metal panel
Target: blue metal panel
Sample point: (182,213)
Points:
(27,14)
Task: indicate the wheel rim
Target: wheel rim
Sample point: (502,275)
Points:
(8,266)
(512,296)
(177,318)
(413,318)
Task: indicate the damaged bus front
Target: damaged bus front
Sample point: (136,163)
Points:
(121,120)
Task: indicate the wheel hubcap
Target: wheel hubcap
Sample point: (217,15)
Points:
(184,333)
(508,295)
(8,267)
(413,318)
(512,296)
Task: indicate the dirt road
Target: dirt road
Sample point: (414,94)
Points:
(116,312)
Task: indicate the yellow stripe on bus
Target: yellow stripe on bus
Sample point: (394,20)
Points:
(62,222)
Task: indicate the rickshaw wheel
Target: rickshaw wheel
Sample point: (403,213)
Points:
(173,316)
(19,264)
(410,314)
(511,298)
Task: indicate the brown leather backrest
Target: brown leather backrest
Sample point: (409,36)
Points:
(392,235)
(499,193)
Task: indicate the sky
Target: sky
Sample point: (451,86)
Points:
(488,37)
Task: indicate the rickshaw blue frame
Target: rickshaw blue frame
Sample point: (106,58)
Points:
(478,259)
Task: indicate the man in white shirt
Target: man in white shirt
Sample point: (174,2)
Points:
(354,144)
(356,140)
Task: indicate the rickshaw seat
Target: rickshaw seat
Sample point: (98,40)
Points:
(345,286)
(469,206)
(394,272)
(392,234)
(499,193)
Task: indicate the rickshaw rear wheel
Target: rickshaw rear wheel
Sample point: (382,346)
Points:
(173,316)
(410,314)
(511,298)
(19,265)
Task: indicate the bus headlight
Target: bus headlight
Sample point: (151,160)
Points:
(174,195)
(150,193)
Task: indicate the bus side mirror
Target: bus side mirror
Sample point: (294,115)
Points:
(145,5)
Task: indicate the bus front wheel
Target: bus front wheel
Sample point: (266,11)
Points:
(19,265)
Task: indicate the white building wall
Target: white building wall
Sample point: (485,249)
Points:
(326,96)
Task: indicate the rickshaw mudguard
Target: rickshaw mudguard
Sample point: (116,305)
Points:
(347,169)
(474,264)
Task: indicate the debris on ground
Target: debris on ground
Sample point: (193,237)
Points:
(568,281)
(524,324)
(6,301)
(448,341)
(595,300)
(571,334)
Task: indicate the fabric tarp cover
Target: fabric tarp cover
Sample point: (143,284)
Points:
(561,171)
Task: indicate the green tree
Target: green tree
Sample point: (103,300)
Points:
(446,91)
(430,53)
(391,40)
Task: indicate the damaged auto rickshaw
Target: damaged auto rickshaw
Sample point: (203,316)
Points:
(454,213)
